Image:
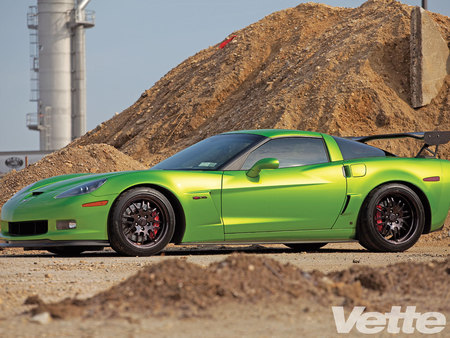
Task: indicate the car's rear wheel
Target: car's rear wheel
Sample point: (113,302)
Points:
(391,219)
(305,246)
(142,222)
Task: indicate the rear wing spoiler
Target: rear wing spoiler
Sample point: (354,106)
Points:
(430,138)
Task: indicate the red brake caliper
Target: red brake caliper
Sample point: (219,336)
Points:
(155,223)
(378,218)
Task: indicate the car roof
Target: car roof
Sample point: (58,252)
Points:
(273,133)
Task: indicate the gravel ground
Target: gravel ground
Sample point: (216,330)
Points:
(27,273)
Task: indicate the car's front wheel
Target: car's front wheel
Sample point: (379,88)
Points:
(142,222)
(392,219)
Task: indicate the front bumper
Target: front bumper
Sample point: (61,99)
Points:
(91,222)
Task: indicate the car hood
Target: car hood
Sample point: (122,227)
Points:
(63,182)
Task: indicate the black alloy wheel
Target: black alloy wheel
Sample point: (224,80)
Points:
(143,222)
(393,218)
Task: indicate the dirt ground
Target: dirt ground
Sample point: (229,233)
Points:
(306,312)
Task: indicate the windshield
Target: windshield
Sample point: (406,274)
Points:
(211,153)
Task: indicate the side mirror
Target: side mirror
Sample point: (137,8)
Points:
(265,163)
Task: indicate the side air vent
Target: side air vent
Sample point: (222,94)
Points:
(347,201)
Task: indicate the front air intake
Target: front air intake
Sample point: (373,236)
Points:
(28,228)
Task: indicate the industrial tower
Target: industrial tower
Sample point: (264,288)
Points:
(58,70)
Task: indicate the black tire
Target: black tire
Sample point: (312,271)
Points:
(72,250)
(392,219)
(142,222)
(305,246)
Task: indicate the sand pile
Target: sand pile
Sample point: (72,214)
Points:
(312,67)
(176,287)
(95,158)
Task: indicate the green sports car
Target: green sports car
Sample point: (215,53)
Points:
(303,189)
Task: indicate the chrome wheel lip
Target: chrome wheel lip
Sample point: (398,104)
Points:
(395,218)
(143,214)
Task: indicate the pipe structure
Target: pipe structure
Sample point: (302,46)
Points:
(82,4)
(79,83)
(425,4)
(79,24)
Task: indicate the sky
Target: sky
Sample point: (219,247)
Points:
(133,44)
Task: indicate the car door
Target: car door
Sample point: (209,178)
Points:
(306,192)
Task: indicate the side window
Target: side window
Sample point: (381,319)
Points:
(290,151)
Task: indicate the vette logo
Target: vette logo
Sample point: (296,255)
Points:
(395,321)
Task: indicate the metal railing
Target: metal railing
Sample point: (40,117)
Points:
(33,121)
(32,17)
(85,18)
(32,23)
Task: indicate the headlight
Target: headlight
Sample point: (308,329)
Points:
(82,189)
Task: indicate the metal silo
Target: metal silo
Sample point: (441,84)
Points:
(58,69)
(55,106)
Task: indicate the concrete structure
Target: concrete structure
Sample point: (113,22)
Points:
(430,62)
(58,70)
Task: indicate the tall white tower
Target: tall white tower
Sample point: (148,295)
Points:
(58,70)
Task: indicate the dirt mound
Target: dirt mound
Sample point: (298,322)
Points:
(312,67)
(94,158)
(175,287)
(403,278)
